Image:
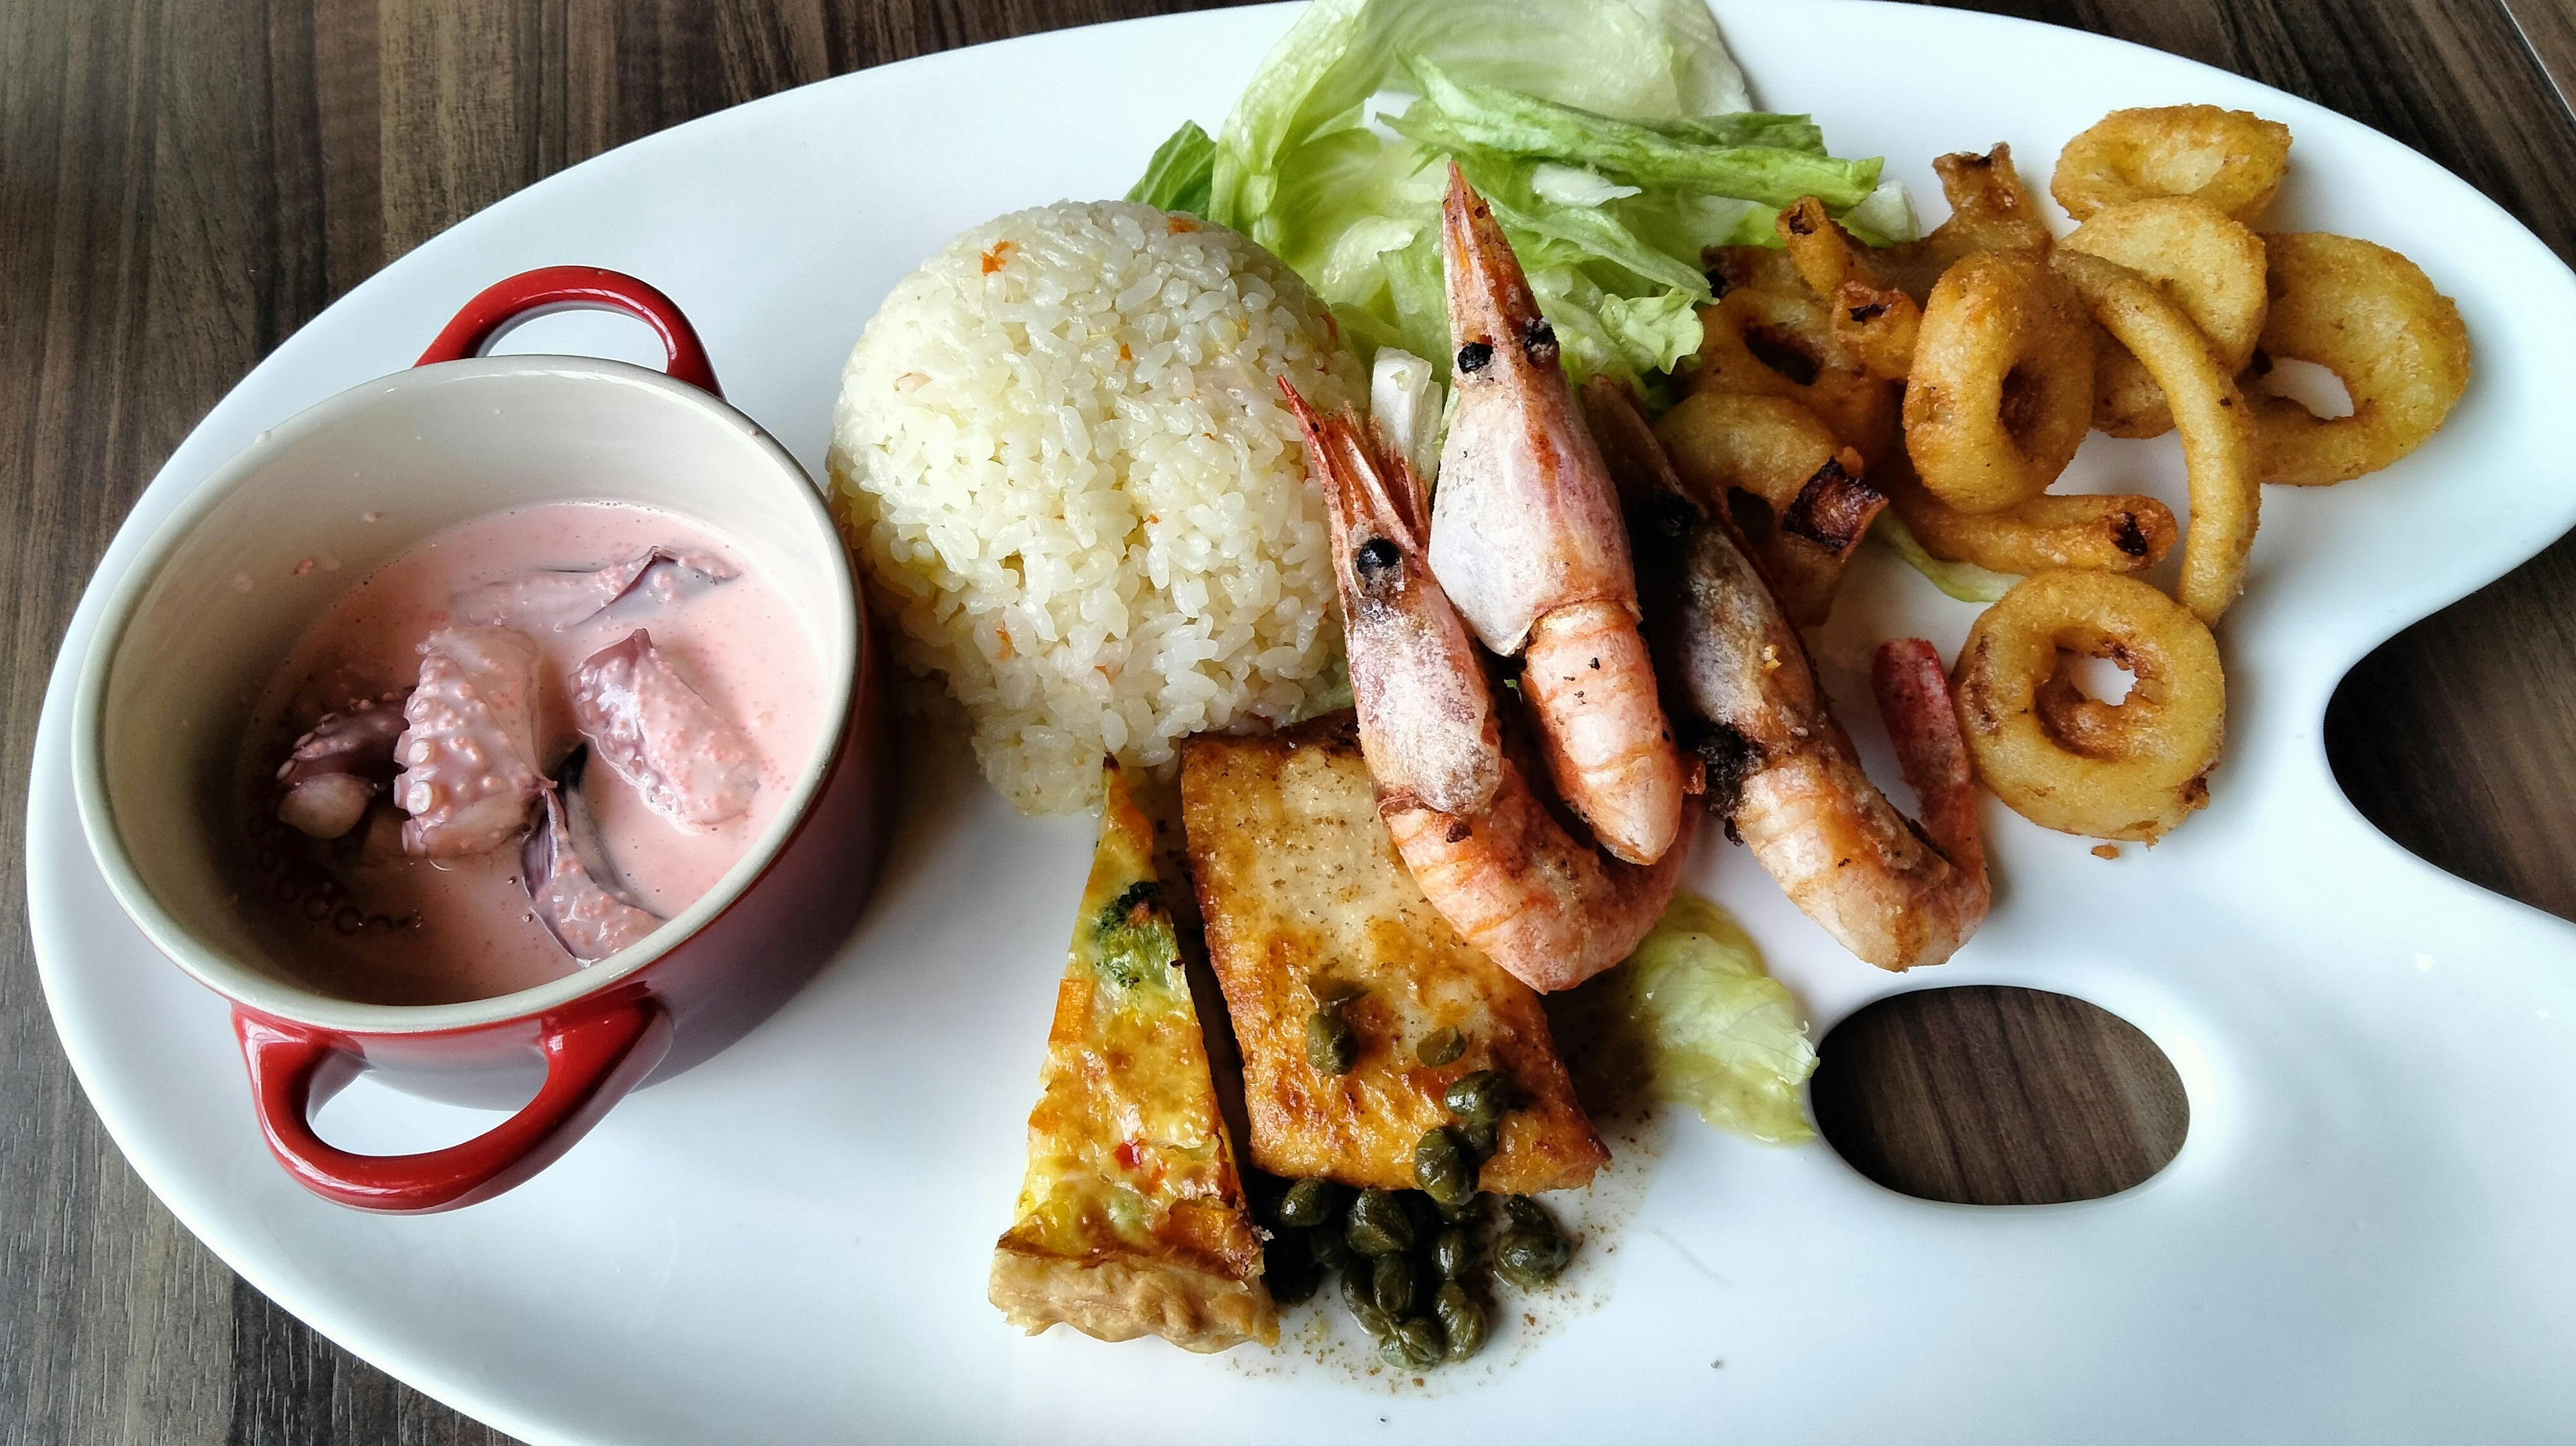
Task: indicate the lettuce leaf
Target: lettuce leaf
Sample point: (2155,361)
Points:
(1179,176)
(1715,1031)
(1962,580)
(1453,116)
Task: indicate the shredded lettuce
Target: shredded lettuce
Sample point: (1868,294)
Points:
(1178,177)
(1715,1031)
(1962,580)
(1614,138)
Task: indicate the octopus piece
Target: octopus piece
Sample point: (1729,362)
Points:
(337,769)
(577,894)
(470,754)
(661,735)
(552,601)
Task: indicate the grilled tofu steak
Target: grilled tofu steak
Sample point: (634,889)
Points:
(1309,909)
(1131,1219)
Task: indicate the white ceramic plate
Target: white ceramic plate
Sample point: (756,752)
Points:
(2364,1237)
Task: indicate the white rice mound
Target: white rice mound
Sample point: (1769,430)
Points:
(1062,458)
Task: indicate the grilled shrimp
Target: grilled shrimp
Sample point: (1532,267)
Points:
(1485,847)
(1780,770)
(1527,537)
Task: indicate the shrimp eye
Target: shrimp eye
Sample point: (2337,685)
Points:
(1473,356)
(1539,342)
(1378,560)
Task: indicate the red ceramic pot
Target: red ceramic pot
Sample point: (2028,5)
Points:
(194,630)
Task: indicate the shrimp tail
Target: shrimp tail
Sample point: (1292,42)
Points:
(1923,722)
(1426,718)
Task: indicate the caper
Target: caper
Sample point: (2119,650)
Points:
(1332,1046)
(1523,1211)
(1462,1320)
(1453,1253)
(1327,1245)
(1309,1203)
(1441,1046)
(1482,1097)
(1391,1284)
(1531,1259)
(1334,993)
(1363,1308)
(1289,1268)
(1441,1167)
(1463,1212)
(1416,1345)
(1379,1224)
(1481,1137)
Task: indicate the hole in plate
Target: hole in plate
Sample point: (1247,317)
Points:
(1994,1095)
(371,1117)
(2308,384)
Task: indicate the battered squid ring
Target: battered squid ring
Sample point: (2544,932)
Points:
(2212,267)
(2372,318)
(1758,341)
(2002,389)
(2106,533)
(2232,159)
(2217,433)
(2130,770)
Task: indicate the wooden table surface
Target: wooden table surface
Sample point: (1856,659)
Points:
(184,184)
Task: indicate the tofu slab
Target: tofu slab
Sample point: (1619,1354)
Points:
(1131,1218)
(1304,896)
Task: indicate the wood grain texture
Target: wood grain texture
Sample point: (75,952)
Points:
(183,183)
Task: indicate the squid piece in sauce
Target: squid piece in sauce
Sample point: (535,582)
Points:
(338,767)
(553,601)
(577,894)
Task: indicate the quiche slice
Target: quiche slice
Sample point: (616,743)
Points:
(1131,1219)
(1308,907)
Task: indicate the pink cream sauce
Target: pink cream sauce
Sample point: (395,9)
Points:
(360,918)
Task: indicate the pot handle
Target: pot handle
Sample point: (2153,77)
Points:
(548,289)
(592,1060)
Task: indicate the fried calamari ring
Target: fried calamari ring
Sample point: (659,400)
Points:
(1758,341)
(2232,159)
(2217,433)
(2372,318)
(1790,486)
(2107,534)
(1990,210)
(2002,389)
(2211,266)
(1873,319)
(2130,770)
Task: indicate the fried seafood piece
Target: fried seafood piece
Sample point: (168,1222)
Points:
(1873,318)
(1780,342)
(2374,319)
(1991,209)
(1517,882)
(1780,769)
(1131,1218)
(2211,266)
(2210,413)
(2134,769)
(661,735)
(1795,492)
(2232,159)
(2002,389)
(469,754)
(1311,913)
(1525,536)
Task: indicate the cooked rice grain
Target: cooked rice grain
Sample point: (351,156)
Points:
(1062,457)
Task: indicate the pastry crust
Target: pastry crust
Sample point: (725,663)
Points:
(1131,1218)
(1304,896)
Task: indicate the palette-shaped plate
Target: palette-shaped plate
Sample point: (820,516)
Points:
(2364,1237)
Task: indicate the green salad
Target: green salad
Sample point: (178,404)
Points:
(1614,139)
